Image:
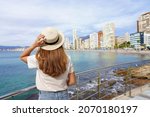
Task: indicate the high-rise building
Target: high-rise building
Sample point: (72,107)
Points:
(67,44)
(94,40)
(127,37)
(79,43)
(143,23)
(119,40)
(100,38)
(108,36)
(85,42)
(137,40)
(147,39)
(75,39)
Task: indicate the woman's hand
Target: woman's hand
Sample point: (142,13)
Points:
(39,41)
(71,79)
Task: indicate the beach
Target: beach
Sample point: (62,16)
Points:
(123,51)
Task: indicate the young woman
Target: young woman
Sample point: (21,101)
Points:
(54,68)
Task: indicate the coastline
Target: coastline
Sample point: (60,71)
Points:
(116,51)
(123,51)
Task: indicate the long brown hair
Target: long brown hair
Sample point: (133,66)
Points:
(52,62)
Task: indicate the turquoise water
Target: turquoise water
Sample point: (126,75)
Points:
(15,75)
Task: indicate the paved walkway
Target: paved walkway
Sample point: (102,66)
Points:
(140,93)
(142,96)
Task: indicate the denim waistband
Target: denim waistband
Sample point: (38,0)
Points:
(41,91)
(54,95)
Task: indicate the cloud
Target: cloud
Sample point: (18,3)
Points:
(21,20)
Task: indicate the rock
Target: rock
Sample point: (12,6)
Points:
(137,72)
(108,83)
(121,72)
(119,87)
(141,72)
(111,82)
(113,91)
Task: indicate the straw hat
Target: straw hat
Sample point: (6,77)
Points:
(53,38)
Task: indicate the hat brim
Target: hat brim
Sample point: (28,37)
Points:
(56,45)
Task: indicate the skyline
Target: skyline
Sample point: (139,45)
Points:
(22,21)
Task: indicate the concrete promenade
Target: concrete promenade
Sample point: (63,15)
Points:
(140,93)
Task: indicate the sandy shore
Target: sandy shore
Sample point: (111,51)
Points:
(116,51)
(130,51)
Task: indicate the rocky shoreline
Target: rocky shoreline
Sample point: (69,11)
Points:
(131,78)
(137,75)
(123,80)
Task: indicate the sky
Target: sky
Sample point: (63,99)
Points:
(21,21)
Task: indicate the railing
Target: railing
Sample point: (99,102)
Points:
(16,93)
(96,83)
(91,84)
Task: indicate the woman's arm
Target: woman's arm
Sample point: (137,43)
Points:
(28,51)
(71,79)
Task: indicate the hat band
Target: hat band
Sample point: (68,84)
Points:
(53,42)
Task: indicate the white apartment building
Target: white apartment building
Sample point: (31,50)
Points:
(127,36)
(137,40)
(79,43)
(147,39)
(75,39)
(119,40)
(143,23)
(93,40)
(67,44)
(85,42)
(108,36)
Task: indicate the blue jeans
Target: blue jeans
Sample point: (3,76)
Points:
(49,95)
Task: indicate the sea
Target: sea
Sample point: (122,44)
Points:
(15,75)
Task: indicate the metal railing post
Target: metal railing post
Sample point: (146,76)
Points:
(98,82)
(126,82)
(77,88)
(129,78)
(105,77)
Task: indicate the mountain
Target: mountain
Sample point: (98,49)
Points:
(10,47)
